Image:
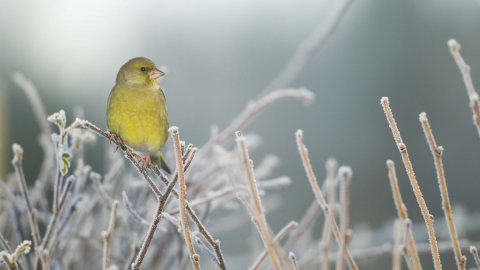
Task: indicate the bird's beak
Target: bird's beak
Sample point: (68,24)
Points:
(156,73)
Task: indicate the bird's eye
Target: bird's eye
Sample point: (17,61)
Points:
(143,69)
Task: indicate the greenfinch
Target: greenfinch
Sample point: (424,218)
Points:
(137,110)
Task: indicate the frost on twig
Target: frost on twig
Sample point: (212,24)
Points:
(11,259)
(413,181)
(467,79)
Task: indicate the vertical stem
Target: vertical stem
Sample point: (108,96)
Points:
(397,252)
(442,182)
(258,211)
(107,236)
(416,188)
(345,174)
(402,214)
(182,198)
(321,200)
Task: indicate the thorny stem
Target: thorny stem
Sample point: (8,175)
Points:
(182,198)
(413,181)
(107,236)
(402,214)
(442,182)
(258,211)
(321,200)
(290,226)
(467,79)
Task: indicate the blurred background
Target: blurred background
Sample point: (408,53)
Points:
(222,54)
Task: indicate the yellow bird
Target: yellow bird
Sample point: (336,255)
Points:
(137,111)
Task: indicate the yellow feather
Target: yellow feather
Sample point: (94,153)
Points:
(136,109)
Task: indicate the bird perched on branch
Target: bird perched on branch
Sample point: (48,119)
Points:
(137,111)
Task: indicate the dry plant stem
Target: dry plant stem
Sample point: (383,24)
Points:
(182,198)
(17,164)
(310,45)
(253,108)
(387,249)
(7,247)
(290,226)
(344,175)
(129,154)
(49,235)
(416,188)
(407,225)
(320,198)
(258,211)
(107,236)
(157,217)
(402,214)
(134,213)
(474,252)
(303,226)
(293,259)
(40,114)
(331,166)
(5,242)
(397,251)
(442,182)
(43,254)
(214,243)
(467,79)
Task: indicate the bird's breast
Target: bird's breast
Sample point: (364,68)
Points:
(139,117)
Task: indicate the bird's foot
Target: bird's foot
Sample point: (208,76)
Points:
(145,160)
(112,137)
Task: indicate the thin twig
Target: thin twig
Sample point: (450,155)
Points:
(331,167)
(40,114)
(7,247)
(132,211)
(293,259)
(309,46)
(345,174)
(107,235)
(252,109)
(402,214)
(182,198)
(321,200)
(214,243)
(290,226)
(397,242)
(442,182)
(467,79)
(413,181)
(407,226)
(257,210)
(17,164)
(474,252)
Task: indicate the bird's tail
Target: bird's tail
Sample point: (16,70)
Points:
(157,159)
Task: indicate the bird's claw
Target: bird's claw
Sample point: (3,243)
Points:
(112,137)
(145,160)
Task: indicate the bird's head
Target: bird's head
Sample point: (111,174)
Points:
(138,71)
